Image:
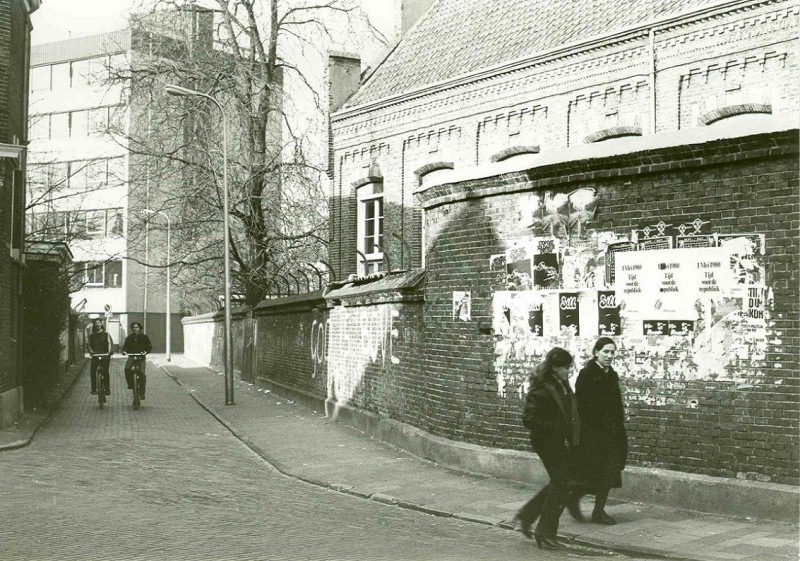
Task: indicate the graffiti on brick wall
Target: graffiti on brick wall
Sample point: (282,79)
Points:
(319,346)
(682,305)
(357,338)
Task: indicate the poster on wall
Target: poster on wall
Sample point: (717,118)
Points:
(680,328)
(497,267)
(462,305)
(518,268)
(536,317)
(546,269)
(673,277)
(569,312)
(610,257)
(695,240)
(655,243)
(608,320)
(746,255)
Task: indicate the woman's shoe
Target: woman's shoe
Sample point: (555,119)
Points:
(602,518)
(548,543)
(524,526)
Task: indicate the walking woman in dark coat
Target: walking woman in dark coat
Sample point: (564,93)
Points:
(603,450)
(551,416)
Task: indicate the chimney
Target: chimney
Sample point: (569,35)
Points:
(411,11)
(344,78)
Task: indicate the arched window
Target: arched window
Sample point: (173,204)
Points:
(370,226)
(429,172)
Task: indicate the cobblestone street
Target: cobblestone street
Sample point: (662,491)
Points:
(169,482)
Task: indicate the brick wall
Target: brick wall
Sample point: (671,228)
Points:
(741,423)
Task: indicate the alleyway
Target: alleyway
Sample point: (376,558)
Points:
(169,482)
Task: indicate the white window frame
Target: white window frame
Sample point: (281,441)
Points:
(370,194)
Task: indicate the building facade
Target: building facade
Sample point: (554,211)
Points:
(15,29)
(564,171)
(88,188)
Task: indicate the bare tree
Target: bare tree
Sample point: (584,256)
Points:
(243,53)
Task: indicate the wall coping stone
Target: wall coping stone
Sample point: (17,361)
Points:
(294,302)
(612,158)
(396,286)
(218,316)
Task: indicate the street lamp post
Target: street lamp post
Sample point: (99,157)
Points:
(169,309)
(186,92)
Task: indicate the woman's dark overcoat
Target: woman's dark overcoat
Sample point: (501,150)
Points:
(603,450)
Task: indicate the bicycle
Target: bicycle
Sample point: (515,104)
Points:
(136,371)
(101,388)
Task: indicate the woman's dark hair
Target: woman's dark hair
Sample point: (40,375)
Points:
(555,357)
(602,342)
(136,323)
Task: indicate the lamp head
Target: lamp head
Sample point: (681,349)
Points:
(180,91)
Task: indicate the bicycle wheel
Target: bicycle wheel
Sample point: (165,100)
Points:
(101,388)
(135,372)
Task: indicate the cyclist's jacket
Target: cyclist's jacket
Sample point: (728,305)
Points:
(100,343)
(137,344)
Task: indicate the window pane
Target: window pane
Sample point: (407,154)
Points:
(113,274)
(59,176)
(98,121)
(40,78)
(116,171)
(39,127)
(96,173)
(37,182)
(98,70)
(94,273)
(61,79)
(79,124)
(80,73)
(117,63)
(59,125)
(77,180)
(76,224)
(95,223)
(369,210)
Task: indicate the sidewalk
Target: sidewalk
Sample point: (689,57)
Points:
(21,432)
(306,445)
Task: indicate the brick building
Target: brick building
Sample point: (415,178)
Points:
(15,29)
(517,150)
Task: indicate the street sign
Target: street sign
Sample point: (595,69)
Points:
(107,308)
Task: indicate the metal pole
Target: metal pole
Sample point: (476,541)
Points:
(169,308)
(228,302)
(181,91)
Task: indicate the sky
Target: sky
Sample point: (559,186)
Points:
(57,20)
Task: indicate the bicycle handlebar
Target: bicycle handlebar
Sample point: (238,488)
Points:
(98,354)
(136,354)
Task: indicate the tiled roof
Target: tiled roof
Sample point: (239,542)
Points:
(461,36)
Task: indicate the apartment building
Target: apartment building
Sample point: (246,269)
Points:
(84,180)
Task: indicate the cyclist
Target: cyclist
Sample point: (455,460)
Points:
(136,342)
(99,342)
